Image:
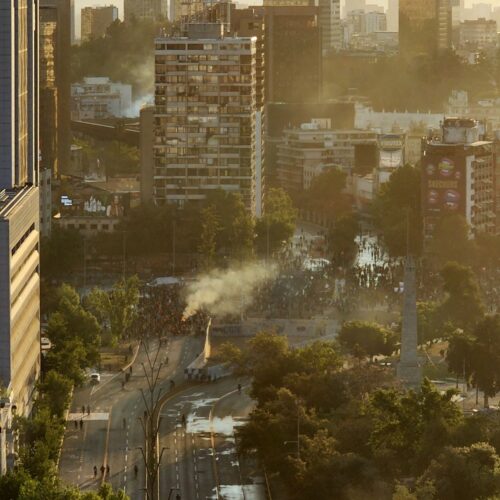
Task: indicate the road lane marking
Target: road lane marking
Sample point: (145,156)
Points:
(106,446)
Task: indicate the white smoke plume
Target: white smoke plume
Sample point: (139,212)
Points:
(227,291)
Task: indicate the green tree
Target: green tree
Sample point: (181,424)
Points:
(362,338)
(277,225)
(55,392)
(208,243)
(428,325)
(462,306)
(459,354)
(235,235)
(343,240)
(397,212)
(465,473)
(125,55)
(325,194)
(410,428)
(75,336)
(119,158)
(117,308)
(61,253)
(323,472)
(451,240)
(39,439)
(486,357)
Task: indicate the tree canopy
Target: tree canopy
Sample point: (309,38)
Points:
(397,212)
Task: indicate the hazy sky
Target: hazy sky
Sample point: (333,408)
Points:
(119,3)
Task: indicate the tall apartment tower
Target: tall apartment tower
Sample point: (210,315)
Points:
(144,9)
(393,16)
(95,21)
(329,21)
(293,54)
(205,116)
(19,214)
(425,26)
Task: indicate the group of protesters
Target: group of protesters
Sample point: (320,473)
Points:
(161,313)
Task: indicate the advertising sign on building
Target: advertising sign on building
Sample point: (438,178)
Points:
(443,183)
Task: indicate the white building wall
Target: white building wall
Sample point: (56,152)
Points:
(385,122)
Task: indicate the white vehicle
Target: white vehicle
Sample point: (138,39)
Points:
(95,378)
(45,344)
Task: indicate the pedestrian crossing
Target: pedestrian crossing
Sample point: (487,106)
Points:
(88,417)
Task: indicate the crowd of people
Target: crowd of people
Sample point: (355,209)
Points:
(161,310)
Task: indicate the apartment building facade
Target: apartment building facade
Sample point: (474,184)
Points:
(205,116)
(305,152)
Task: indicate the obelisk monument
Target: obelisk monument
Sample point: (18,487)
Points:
(409,370)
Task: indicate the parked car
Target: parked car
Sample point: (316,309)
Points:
(45,344)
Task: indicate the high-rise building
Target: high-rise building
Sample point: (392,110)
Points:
(424,26)
(351,5)
(144,9)
(458,177)
(374,22)
(189,10)
(308,150)
(19,213)
(293,54)
(205,116)
(329,21)
(478,34)
(55,82)
(393,16)
(96,20)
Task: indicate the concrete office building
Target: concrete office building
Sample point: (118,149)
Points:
(55,85)
(478,34)
(19,216)
(393,16)
(98,98)
(95,21)
(144,9)
(351,5)
(205,116)
(307,151)
(293,54)
(424,26)
(48,89)
(458,176)
(331,29)
(374,22)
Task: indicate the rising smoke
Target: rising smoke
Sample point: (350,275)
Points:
(227,291)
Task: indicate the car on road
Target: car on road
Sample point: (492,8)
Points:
(95,378)
(45,344)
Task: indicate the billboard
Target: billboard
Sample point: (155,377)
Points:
(443,175)
(97,204)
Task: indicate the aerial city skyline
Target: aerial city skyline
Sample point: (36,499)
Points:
(249,251)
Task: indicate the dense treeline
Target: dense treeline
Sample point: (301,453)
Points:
(330,430)
(419,83)
(125,54)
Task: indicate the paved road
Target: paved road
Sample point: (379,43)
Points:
(112,433)
(200,459)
